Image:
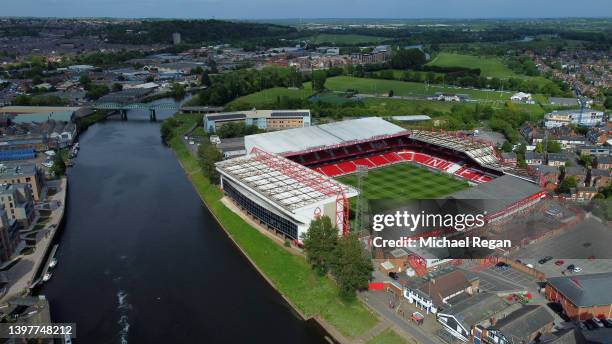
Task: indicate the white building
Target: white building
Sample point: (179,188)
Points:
(521,97)
(587,118)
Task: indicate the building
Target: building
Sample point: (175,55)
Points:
(533,158)
(283,195)
(23,173)
(582,296)
(600,177)
(525,325)
(9,237)
(509,158)
(604,162)
(39,114)
(480,309)
(263,119)
(598,151)
(18,203)
(557,159)
(578,172)
(439,292)
(448,97)
(176,38)
(561,118)
(521,97)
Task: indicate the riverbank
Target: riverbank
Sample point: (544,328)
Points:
(25,274)
(311,295)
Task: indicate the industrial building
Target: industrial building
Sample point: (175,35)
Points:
(263,119)
(583,296)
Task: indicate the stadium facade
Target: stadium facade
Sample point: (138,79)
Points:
(286,180)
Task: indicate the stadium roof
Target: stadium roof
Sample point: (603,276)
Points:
(499,193)
(282,182)
(585,290)
(302,139)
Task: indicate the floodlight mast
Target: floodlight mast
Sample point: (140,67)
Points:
(311,179)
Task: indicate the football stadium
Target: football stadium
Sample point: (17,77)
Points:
(292,176)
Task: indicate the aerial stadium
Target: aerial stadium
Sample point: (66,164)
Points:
(292,176)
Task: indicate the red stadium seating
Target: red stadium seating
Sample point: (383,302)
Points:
(347,166)
(378,160)
(392,157)
(363,161)
(330,170)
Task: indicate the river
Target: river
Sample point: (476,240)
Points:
(142,261)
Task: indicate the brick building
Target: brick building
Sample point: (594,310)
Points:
(582,297)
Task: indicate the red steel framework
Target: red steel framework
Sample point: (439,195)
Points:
(311,179)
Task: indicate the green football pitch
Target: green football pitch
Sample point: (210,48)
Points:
(405,181)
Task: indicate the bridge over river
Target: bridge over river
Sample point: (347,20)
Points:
(153,107)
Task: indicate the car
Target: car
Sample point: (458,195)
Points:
(598,322)
(607,322)
(559,262)
(576,269)
(393,275)
(545,260)
(582,326)
(502,266)
(529,265)
(590,324)
(570,267)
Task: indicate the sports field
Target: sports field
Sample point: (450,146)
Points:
(269,96)
(405,181)
(489,66)
(409,89)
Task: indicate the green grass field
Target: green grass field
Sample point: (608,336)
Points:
(404,182)
(404,88)
(489,66)
(268,96)
(387,337)
(345,39)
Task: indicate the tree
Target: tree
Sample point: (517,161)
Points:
(167,129)
(206,79)
(391,93)
(553,146)
(117,87)
(408,59)
(506,147)
(318,80)
(96,91)
(319,243)
(209,155)
(566,184)
(84,80)
(59,167)
(177,90)
(352,265)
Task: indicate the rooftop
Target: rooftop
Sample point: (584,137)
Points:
(302,139)
(519,325)
(585,290)
(477,308)
(285,183)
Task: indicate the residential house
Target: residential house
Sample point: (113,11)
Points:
(577,172)
(525,325)
(509,158)
(438,292)
(600,177)
(561,118)
(595,150)
(583,193)
(534,158)
(461,318)
(548,174)
(557,159)
(604,162)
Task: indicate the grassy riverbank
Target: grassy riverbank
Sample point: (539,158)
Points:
(290,274)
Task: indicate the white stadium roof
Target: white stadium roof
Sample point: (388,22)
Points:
(286,184)
(301,139)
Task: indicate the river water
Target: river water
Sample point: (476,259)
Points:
(142,261)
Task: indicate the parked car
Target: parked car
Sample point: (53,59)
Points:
(545,260)
(570,267)
(502,266)
(559,262)
(590,324)
(576,269)
(598,322)
(393,275)
(529,266)
(583,326)
(607,322)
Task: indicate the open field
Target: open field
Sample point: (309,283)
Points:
(489,66)
(290,274)
(408,89)
(269,96)
(405,181)
(345,39)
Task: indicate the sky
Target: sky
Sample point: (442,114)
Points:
(276,9)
